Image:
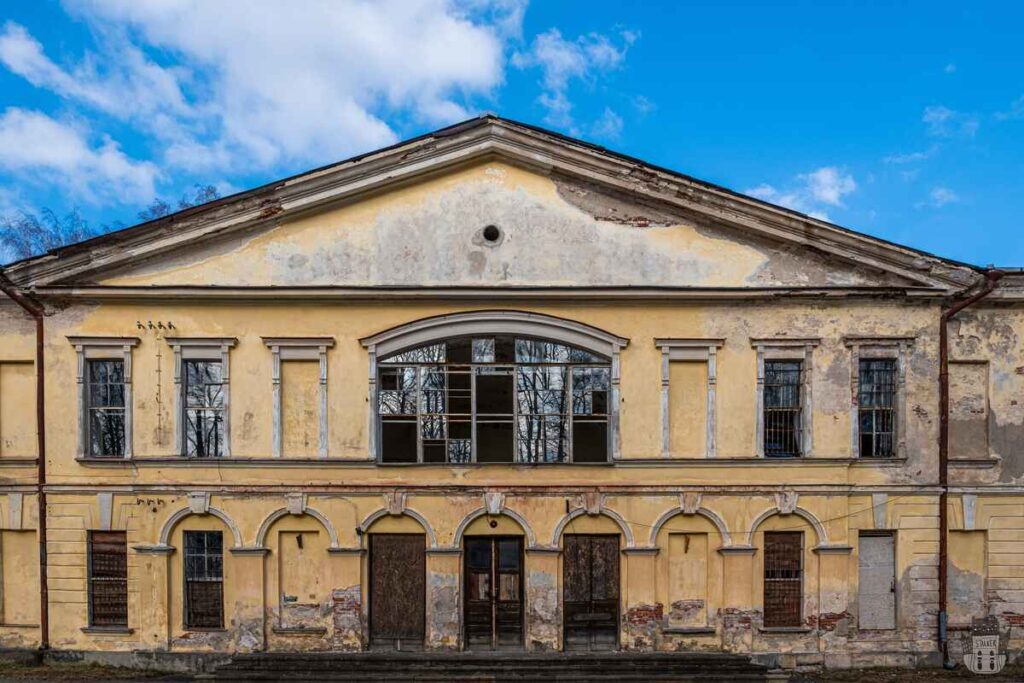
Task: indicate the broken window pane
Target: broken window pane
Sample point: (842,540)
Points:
(876,402)
(492,399)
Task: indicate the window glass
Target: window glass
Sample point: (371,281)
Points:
(204,579)
(108,578)
(204,409)
(876,401)
(494,399)
(783,414)
(105,408)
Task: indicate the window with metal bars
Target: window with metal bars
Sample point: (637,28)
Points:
(876,401)
(204,409)
(783,578)
(204,579)
(108,579)
(105,408)
(783,409)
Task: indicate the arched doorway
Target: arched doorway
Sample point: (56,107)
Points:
(397,583)
(493,584)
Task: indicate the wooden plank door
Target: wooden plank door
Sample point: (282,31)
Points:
(590,592)
(493,608)
(397,591)
(877,581)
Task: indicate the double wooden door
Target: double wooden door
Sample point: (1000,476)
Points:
(494,592)
(397,591)
(590,592)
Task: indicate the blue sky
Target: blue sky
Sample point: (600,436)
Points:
(902,120)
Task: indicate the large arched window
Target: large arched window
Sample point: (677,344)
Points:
(494,398)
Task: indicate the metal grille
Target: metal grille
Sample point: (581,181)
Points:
(108,578)
(204,579)
(105,398)
(783,578)
(783,413)
(204,409)
(877,400)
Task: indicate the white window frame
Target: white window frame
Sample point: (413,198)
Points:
(896,348)
(784,349)
(689,351)
(103,348)
(301,349)
(200,348)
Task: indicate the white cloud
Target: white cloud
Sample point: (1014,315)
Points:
(940,196)
(643,105)
(563,61)
(908,158)
(608,126)
(812,193)
(43,150)
(302,82)
(1016,110)
(950,68)
(943,122)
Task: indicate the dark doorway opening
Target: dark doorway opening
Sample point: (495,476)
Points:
(397,591)
(493,575)
(590,592)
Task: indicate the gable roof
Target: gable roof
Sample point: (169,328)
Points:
(482,138)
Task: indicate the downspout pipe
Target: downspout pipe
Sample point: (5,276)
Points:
(992,277)
(36,310)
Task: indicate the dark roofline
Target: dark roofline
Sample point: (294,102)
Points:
(447,131)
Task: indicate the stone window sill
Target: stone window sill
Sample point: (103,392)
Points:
(108,630)
(784,629)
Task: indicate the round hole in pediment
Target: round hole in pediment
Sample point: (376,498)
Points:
(492,233)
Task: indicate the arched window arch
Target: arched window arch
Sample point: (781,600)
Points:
(494,387)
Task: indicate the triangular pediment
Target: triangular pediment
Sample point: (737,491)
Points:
(490,204)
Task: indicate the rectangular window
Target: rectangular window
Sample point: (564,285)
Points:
(105,400)
(204,409)
(108,578)
(876,403)
(783,578)
(783,409)
(204,579)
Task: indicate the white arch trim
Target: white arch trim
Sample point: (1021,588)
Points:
(172,521)
(610,514)
(261,535)
(437,328)
(704,512)
(819,529)
(531,539)
(383,512)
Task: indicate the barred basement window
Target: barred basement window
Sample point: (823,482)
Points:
(108,579)
(783,578)
(204,409)
(105,406)
(876,402)
(494,399)
(783,408)
(204,579)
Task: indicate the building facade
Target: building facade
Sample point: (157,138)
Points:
(494,388)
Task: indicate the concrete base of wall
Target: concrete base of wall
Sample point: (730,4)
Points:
(184,662)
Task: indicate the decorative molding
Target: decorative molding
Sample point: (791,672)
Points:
(689,502)
(295,503)
(394,502)
(172,521)
(105,503)
(16,510)
(460,530)
(407,512)
(494,502)
(880,510)
(295,506)
(819,528)
(690,350)
(627,533)
(300,349)
(737,550)
(970,504)
(786,502)
(835,549)
(199,502)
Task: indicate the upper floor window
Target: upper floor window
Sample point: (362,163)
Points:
(877,407)
(201,377)
(783,408)
(104,396)
(204,409)
(495,398)
(105,406)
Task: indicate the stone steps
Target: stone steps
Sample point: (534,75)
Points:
(376,666)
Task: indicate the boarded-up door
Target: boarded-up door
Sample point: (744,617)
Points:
(397,595)
(877,583)
(590,589)
(494,592)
